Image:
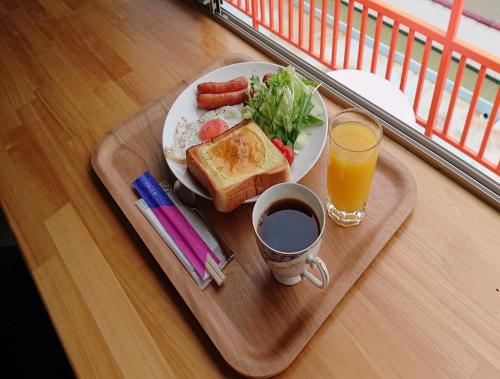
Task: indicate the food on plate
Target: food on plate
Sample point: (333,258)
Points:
(288,153)
(277,142)
(217,100)
(237,84)
(212,95)
(266,77)
(187,133)
(283,106)
(212,129)
(237,165)
(285,149)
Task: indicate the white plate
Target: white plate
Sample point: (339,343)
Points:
(185,106)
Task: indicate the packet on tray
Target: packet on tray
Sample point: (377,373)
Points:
(157,200)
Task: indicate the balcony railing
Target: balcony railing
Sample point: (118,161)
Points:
(300,23)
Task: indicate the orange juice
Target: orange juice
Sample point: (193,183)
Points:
(351,163)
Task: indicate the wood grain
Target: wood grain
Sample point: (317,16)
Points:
(99,288)
(238,316)
(428,306)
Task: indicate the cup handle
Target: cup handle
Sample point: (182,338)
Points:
(320,265)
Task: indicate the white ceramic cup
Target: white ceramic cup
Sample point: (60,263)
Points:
(290,267)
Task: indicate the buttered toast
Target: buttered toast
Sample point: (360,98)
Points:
(237,165)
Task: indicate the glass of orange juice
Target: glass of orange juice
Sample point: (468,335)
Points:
(353,144)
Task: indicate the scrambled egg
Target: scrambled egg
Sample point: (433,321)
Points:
(186,133)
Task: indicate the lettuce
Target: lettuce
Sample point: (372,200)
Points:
(284,107)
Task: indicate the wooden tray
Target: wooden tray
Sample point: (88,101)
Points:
(258,325)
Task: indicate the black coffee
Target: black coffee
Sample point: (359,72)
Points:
(289,225)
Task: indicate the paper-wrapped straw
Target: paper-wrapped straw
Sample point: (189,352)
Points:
(178,228)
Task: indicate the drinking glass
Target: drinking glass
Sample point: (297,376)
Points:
(353,144)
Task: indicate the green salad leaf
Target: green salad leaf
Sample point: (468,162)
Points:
(283,107)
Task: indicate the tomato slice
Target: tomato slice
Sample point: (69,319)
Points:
(266,77)
(285,149)
(277,142)
(212,129)
(288,153)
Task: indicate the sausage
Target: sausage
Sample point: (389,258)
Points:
(217,100)
(237,84)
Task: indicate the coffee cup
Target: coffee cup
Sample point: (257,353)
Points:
(291,248)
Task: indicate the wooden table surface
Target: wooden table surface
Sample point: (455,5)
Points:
(429,305)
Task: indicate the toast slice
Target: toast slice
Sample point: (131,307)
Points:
(237,165)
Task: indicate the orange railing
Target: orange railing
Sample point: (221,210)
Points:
(270,14)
